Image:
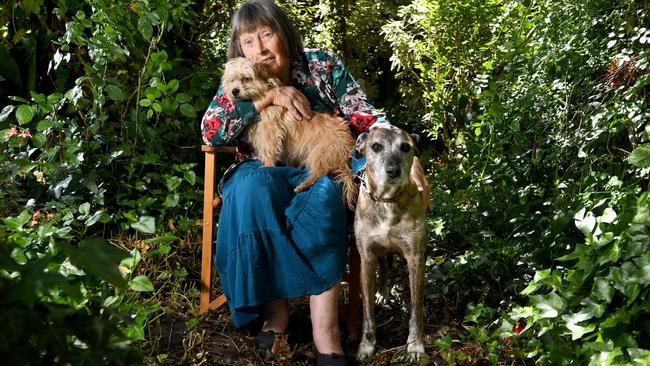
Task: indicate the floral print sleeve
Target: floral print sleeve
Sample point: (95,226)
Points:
(348,96)
(224,120)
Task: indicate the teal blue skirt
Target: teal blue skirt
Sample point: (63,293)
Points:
(273,243)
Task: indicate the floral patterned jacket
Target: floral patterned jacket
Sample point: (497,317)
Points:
(321,77)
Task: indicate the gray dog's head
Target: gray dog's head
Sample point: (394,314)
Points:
(389,155)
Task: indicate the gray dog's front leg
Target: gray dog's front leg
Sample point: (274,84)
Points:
(415,345)
(368,288)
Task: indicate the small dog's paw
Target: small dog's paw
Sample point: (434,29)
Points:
(299,189)
(365,352)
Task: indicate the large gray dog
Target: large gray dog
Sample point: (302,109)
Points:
(390,218)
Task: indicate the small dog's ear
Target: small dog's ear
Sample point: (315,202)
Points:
(416,142)
(360,145)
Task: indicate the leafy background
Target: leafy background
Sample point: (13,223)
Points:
(534,115)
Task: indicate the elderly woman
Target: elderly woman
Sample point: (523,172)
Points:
(274,244)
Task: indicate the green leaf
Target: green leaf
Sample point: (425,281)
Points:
(162,249)
(550,305)
(152,93)
(172,86)
(640,157)
(145,103)
(585,222)
(146,224)
(98,257)
(15,223)
(188,110)
(6,111)
(172,183)
(43,125)
(536,283)
(39,140)
(171,200)
(24,114)
(141,283)
(145,27)
(114,92)
(603,289)
(190,176)
(577,331)
(183,98)
(167,238)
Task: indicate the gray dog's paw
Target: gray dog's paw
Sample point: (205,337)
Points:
(365,352)
(416,351)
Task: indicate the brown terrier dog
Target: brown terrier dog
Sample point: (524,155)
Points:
(323,143)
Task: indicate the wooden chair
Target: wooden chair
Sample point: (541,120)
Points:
(348,310)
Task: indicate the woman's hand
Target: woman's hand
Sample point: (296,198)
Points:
(420,179)
(288,97)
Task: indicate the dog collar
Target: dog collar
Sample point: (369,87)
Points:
(361,175)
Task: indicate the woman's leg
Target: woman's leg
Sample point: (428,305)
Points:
(324,321)
(276,316)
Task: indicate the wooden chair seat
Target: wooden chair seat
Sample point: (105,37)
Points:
(348,310)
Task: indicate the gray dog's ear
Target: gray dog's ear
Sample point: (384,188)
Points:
(416,142)
(360,145)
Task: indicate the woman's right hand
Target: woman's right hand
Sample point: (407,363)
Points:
(288,97)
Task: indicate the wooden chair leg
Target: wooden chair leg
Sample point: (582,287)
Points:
(210,201)
(353,307)
(208,225)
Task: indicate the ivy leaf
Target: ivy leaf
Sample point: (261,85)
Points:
(145,27)
(550,305)
(16,223)
(577,331)
(24,114)
(603,289)
(172,200)
(114,92)
(585,222)
(141,283)
(640,157)
(146,224)
(173,182)
(190,176)
(98,257)
(536,282)
(6,111)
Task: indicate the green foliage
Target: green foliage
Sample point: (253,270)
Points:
(538,111)
(98,133)
(540,105)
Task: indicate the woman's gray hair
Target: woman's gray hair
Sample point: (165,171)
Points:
(255,13)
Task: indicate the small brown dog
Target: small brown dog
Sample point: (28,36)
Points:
(323,143)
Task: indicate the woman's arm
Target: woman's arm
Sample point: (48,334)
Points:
(224,120)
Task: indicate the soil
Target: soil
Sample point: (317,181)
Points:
(211,339)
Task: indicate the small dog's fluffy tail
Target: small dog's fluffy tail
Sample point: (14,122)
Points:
(350,188)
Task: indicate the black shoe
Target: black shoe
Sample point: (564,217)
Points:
(264,339)
(330,360)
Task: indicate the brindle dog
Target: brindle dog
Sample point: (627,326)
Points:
(390,218)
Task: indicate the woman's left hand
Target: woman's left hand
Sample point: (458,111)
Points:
(420,179)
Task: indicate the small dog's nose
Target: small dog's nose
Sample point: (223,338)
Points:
(235,92)
(393,171)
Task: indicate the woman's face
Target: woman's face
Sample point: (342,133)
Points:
(263,45)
